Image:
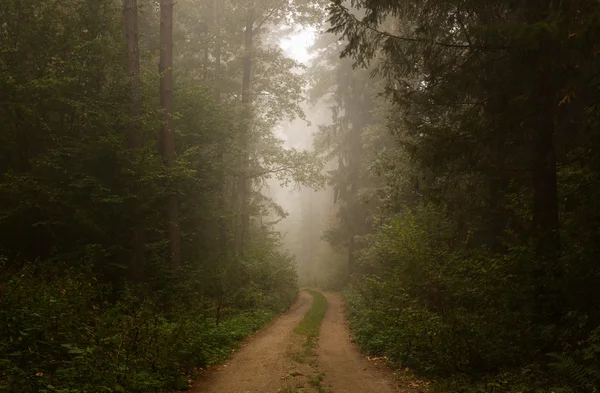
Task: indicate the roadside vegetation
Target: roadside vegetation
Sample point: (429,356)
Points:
(465,140)
(142,143)
(137,244)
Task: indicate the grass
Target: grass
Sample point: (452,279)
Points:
(302,349)
(309,328)
(311,323)
(317,383)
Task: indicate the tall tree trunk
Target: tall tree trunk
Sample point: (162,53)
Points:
(545,191)
(225,181)
(167,137)
(206,43)
(546,226)
(243,220)
(217,54)
(545,232)
(137,261)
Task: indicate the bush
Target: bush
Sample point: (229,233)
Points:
(59,333)
(463,317)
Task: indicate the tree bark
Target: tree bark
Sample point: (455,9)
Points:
(206,60)
(243,220)
(545,232)
(217,19)
(546,226)
(137,261)
(167,136)
(223,201)
(545,191)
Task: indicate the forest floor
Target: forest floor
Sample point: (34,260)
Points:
(276,359)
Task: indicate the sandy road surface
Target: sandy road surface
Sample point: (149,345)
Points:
(260,365)
(264,364)
(345,369)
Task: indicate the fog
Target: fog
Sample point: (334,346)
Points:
(309,211)
(176,175)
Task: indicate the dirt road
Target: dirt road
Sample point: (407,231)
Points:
(345,369)
(266,363)
(261,363)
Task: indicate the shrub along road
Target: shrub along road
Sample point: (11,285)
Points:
(279,359)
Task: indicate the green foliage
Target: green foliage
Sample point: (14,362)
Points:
(432,309)
(462,316)
(58,334)
(579,367)
(77,312)
(481,256)
(454,314)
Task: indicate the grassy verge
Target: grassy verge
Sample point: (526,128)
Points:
(307,378)
(311,323)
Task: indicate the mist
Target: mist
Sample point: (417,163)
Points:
(299,196)
(310,211)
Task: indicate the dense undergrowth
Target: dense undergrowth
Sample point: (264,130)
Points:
(135,242)
(467,184)
(464,319)
(65,335)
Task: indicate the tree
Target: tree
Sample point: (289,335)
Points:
(478,189)
(167,132)
(246,124)
(78,158)
(134,141)
(352,98)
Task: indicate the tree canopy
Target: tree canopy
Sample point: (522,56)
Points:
(477,254)
(459,169)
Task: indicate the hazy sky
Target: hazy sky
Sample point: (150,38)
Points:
(308,209)
(296,45)
(296,134)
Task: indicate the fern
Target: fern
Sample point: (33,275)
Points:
(582,375)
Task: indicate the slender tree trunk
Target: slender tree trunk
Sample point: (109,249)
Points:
(217,19)
(243,220)
(545,192)
(206,60)
(133,67)
(137,261)
(167,137)
(546,225)
(357,213)
(545,232)
(225,181)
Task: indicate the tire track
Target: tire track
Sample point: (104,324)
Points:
(261,363)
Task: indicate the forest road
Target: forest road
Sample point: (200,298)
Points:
(264,364)
(345,369)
